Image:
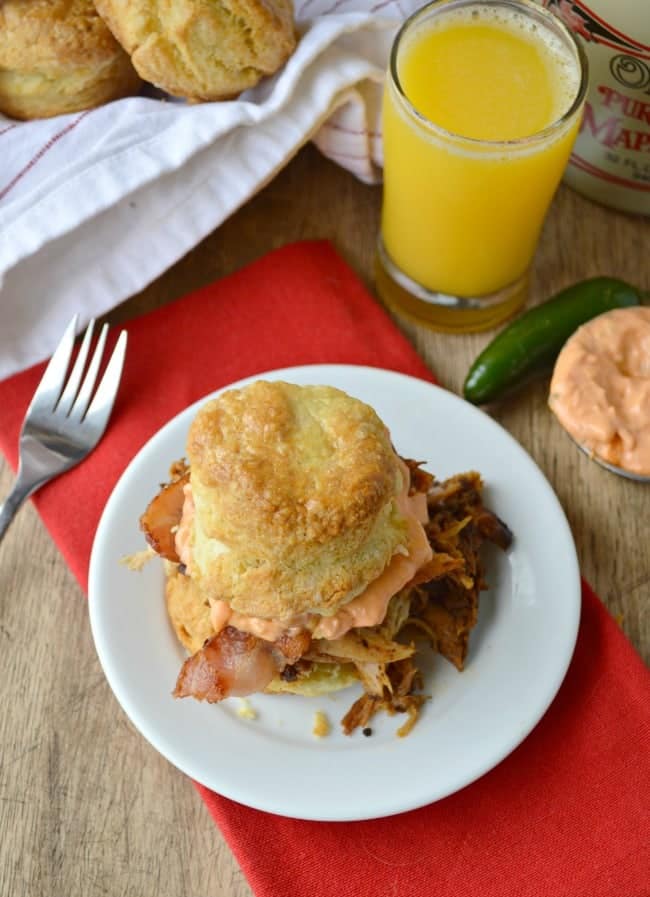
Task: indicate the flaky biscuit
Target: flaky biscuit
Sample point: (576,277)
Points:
(187,609)
(295,492)
(318,679)
(200,49)
(58,56)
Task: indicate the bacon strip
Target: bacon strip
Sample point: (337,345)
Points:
(231,663)
(162,516)
(236,663)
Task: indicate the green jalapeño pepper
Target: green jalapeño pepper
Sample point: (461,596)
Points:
(530,344)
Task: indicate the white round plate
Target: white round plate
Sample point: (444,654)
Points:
(519,652)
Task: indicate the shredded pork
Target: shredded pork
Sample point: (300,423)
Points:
(440,604)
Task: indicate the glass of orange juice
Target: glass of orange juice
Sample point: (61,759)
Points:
(482,103)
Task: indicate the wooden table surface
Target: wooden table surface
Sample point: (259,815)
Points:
(87,807)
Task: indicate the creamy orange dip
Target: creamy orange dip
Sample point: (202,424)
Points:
(367,609)
(600,390)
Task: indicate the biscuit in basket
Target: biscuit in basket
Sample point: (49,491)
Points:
(199,49)
(58,56)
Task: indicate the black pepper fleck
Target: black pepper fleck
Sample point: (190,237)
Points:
(367,731)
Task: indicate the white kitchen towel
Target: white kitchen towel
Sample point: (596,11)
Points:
(95,205)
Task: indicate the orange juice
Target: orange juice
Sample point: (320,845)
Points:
(481,108)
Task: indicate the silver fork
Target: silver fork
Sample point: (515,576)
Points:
(62,425)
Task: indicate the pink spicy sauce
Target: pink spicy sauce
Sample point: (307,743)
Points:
(600,391)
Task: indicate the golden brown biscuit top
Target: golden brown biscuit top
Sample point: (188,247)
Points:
(289,464)
(50,33)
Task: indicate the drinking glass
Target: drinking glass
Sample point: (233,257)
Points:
(462,215)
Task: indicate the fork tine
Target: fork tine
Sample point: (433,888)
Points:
(102,404)
(83,398)
(72,386)
(49,389)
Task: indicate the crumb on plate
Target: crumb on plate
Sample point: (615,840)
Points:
(246,710)
(321,725)
(139,559)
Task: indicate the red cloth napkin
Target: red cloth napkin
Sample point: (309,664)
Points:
(565,815)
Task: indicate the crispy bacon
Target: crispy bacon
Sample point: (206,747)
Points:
(235,663)
(162,516)
(231,663)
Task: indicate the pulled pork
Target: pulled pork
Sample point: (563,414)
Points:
(442,600)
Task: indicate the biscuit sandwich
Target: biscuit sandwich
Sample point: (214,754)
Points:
(299,545)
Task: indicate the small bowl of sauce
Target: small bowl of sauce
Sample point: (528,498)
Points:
(600,390)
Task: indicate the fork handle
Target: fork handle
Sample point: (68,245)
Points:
(23,488)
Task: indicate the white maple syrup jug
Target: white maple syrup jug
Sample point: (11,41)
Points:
(610,162)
